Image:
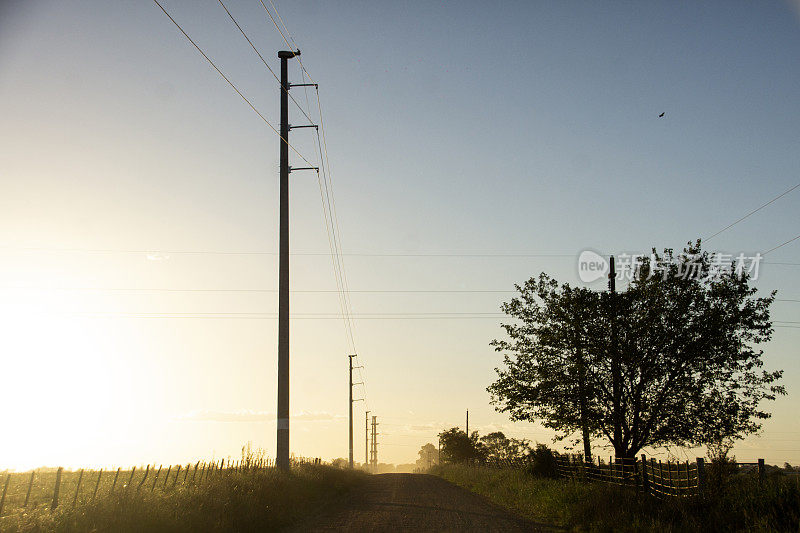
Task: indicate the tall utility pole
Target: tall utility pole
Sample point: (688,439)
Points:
(282,455)
(350,405)
(616,378)
(467,422)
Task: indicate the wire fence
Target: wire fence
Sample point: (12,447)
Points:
(670,479)
(54,487)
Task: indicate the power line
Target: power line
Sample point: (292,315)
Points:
(276,24)
(781,245)
(752,212)
(260,252)
(249,103)
(329,215)
(294,44)
(265,62)
(299,291)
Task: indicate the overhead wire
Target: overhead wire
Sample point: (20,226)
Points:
(781,245)
(754,211)
(294,44)
(233,86)
(326,193)
(264,61)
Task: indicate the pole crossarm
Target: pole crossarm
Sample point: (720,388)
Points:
(292,169)
(315,85)
(315,126)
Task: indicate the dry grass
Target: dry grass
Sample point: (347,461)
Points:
(263,500)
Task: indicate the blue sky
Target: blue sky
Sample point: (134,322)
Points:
(462,128)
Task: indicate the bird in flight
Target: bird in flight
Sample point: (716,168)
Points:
(661,115)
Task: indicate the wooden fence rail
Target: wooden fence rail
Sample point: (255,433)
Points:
(660,479)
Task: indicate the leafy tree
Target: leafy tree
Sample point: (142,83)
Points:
(428,456)
(458,447)
(503,451)
(557,344)
(683,349)
(543,462)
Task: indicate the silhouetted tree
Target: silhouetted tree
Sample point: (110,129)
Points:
(428,456)
(686,346)
(558,345)
(458,447)
(500,450)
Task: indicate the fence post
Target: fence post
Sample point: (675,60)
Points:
(130,480)
(645,481)
(77,488)
(186,472)
(58,486)
(177,473)
(5,489)
(155,479)
(146,471)
(196,465)
(166,477)
(652,480)
(115,479)
(30,486)
(761,472)
(701,474)
(97,485)
(661,477)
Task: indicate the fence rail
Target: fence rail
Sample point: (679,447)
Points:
(660,479)
(57,487)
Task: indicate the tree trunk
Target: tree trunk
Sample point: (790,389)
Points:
(587,445)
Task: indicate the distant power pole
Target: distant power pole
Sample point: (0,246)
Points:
(467,422)
(350,358)
(282,452)
(366,439)
(374,452)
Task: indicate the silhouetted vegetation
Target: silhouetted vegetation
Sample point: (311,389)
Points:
(248,500)
(670,360)
(743,506)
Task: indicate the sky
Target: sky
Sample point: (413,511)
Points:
(471,146)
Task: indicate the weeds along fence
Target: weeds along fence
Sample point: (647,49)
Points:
(56,487)
(670,479)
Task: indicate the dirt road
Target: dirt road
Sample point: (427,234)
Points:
(415,502)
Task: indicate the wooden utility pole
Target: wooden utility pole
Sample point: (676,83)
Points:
(467,422)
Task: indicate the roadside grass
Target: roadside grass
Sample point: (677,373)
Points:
(255,500)
(597,507)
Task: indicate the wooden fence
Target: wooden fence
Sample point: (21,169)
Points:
(660,479)
(56,487)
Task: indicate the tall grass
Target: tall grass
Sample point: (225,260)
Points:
(230,500)
(742,506)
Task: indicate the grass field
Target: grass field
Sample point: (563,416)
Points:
(742,506)
(228,500)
